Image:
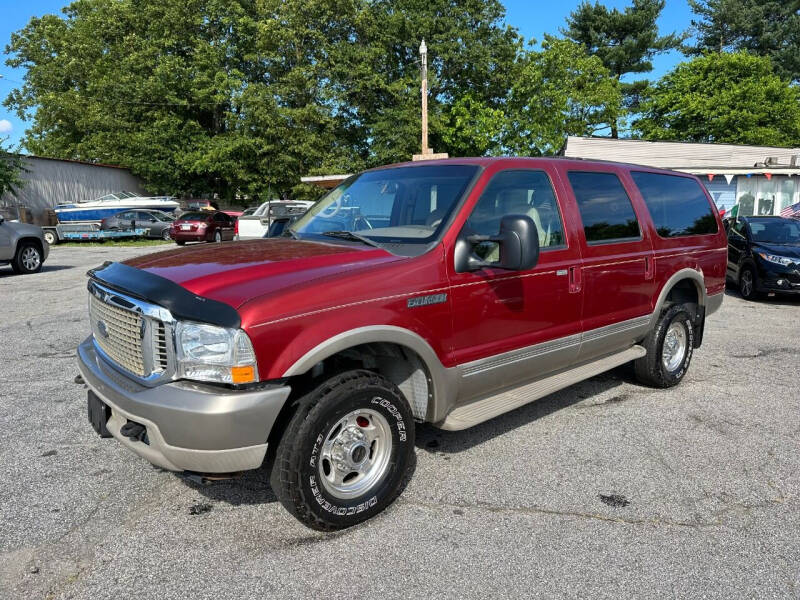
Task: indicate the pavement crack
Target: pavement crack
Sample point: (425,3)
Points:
(534,510)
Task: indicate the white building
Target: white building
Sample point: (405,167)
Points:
(763,180)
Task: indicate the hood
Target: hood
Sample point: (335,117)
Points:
(788,250)
(237,272)
(23,228)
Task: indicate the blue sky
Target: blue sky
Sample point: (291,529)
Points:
(533,18)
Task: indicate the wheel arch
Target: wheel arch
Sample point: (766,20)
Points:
(421,376)
(681,283)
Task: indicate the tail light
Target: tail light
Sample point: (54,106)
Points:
(236,227)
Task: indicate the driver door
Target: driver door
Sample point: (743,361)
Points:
(515,326)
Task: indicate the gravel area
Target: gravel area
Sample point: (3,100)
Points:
(605,490)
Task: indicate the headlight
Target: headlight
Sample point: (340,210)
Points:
(780,260)
(210,353)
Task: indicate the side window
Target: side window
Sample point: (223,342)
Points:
(606,210)
(525,192)
(740,228)
(677,204)
(219,218)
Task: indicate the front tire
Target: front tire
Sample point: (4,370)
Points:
(28,259)
(347,453)
(747,283)
(669,349)
(217,237)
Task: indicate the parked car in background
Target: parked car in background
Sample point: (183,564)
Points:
(157,222)
(248,211)
(256,225)
(233,213)
(22,246)
(202,226)
(445,292)
(764,255)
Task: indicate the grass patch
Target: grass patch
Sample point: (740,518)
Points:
(118,243)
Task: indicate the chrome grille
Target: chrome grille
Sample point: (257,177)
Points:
(118,332)
(160,356)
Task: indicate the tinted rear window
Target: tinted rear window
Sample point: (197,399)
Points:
(677,205)
(606,210)
(194,216)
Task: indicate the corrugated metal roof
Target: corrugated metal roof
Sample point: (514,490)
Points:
(675,155)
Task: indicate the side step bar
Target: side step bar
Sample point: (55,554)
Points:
(477,412)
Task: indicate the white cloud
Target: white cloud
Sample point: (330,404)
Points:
(5,126)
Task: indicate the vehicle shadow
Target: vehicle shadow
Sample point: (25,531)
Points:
(7,271)
(433,440)
(777,299)
(253,487)
(249,487)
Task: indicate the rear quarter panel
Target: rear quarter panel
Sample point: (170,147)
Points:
(706,254)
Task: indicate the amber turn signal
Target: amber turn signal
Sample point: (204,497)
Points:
(243,374)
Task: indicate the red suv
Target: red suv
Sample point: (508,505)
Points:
(446,292)
(202,226)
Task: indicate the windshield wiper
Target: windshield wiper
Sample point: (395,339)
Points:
(353,237)
(289,232)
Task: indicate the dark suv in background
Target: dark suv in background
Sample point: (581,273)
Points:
(764,255)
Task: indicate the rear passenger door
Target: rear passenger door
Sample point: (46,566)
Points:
(617,271)
(515,326)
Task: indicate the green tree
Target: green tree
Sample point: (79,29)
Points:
(244,96)
(764,27)
(734,98)
(559,91)
(10,169)
(626,41)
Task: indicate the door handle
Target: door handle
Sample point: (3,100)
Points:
(648,268)
(574,280)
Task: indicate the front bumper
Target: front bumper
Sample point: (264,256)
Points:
(777,278)
(190,426)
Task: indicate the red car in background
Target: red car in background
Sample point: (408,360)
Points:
(202,226)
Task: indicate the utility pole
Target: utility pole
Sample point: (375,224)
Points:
(423,54)
(427,153)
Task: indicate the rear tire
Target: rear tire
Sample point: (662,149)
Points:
(165,235)
(28,259)
(669,347)
(51,237)
(347,453)
(217,237)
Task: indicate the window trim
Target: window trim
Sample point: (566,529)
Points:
(625,240)
(565,244)
(711,207)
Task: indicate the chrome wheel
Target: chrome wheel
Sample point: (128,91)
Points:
(355,454)
(30,258)
(746,284)
(674,349)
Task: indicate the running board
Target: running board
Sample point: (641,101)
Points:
(474,413)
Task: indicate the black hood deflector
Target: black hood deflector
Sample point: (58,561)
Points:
(182,303)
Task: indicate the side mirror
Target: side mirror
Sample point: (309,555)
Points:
(518,241)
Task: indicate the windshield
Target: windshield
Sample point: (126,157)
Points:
(775,231)
(405,205)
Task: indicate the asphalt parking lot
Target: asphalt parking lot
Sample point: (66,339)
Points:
(604,490)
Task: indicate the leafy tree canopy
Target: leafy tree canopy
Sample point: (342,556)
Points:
(559,91)
(624,40)
(732,97)
(764,27)
(239,96)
